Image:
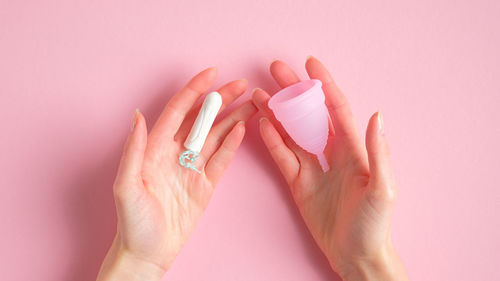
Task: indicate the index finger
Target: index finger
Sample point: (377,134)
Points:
(337,104)
(178,107)
(283,74)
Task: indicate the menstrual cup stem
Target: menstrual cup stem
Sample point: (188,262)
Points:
(323,162)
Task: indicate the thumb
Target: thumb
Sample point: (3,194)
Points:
(382,181)
(129,171)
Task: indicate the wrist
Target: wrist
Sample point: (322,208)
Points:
(386,265)
(121,265)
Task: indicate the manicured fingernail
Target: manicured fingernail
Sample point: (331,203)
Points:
(134,119)
(380,123)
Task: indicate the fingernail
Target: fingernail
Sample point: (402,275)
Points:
(274,60)
(262,119)
(380,123)
(255,89)
(310,57)
(331,130)
(240,126)
(134,119)
(213,68)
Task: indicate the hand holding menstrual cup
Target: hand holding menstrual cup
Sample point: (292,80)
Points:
(301,109)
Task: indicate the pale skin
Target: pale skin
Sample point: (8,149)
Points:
(347,209)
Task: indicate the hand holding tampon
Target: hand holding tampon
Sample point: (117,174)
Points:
(158,201)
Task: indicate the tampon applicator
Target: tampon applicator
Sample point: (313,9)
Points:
(199,132)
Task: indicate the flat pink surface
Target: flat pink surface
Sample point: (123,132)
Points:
(72,73)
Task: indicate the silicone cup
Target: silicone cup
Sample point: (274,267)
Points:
(301,109)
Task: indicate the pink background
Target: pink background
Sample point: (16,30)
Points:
(72,73)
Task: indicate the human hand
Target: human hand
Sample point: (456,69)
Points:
(347,209)
(158,201)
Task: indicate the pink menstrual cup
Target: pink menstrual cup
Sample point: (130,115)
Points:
(301,109)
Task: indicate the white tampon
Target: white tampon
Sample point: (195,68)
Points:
(198,134)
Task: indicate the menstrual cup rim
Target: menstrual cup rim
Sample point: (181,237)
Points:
(296,99)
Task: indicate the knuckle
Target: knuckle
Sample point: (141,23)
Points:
(386,192)
(119,192)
